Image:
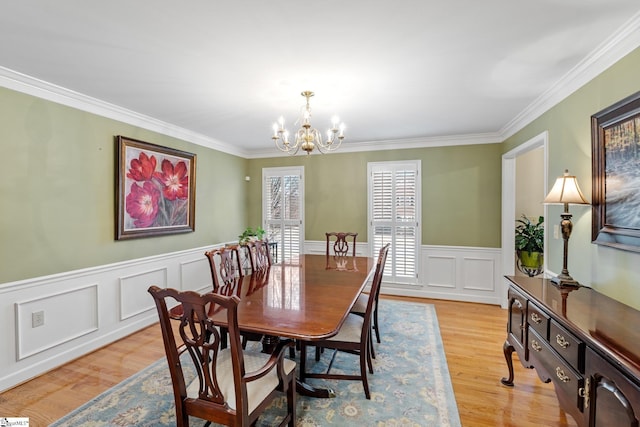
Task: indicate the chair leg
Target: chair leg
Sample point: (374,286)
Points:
(373,352)
(369,345)
(291,402)
(364,360)
(292,350)
(303,361)
(375,323)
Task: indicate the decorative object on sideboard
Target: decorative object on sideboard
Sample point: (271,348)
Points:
(565,191)
(308,138)
(529,242)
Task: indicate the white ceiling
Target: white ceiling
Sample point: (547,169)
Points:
(397,73)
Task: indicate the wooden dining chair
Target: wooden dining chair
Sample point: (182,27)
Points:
(259,256)
(353,337)
(232,386)
(338,243)
(226,273)
(360,308)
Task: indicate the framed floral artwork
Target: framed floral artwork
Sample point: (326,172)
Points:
(155,190)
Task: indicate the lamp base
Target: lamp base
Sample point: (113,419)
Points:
(565,282)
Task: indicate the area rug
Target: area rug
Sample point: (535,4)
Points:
(410,385)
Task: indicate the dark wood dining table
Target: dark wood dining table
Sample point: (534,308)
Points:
(305,299)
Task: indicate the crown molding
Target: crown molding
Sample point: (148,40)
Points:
(614,48)
(610,51)
(60,95)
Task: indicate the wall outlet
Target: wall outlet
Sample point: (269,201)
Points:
(37,318)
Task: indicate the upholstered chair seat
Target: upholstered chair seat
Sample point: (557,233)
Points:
(257,391)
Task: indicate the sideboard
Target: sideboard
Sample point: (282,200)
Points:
(585,343)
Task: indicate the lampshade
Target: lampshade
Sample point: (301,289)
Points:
(566,190)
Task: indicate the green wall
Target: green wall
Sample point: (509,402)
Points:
(57,191)
(461,190)
(611,271)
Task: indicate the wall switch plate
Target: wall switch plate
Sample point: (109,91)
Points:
(556,231)
(37,318)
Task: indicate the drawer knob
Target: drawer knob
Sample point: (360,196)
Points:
(535,318)
(562,342)
(536,345)
(561,375)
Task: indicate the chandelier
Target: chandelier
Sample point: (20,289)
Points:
(308,138)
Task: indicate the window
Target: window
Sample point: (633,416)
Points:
(283,209)
(394,216)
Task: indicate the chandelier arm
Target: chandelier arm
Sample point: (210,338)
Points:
(287,148)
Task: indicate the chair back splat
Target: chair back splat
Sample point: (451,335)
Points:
(259,255)
(224,391)
(226,271)
(338,243)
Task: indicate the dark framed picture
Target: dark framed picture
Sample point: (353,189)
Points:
(155,190)
(615,140)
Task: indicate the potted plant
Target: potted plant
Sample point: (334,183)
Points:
(530,242)
(250,234)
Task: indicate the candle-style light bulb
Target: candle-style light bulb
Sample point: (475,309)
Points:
(275,129)
(342,126)
(334,121)
(281,121)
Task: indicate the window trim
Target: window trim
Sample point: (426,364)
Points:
(285,171)
(393,166)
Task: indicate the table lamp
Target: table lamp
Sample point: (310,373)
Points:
(565,191)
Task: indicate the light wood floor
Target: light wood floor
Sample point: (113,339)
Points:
(472,334)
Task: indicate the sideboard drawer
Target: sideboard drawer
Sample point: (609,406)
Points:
(538,320)
(563,376)
(567,346)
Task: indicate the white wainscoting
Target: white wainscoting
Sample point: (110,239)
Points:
(445,272)
(56,329)
(461,274)
(86,309)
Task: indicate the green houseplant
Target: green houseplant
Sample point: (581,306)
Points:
(250,234)
(530,242)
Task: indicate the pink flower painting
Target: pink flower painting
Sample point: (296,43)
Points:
(156,189)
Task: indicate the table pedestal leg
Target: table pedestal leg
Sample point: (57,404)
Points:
(269,342)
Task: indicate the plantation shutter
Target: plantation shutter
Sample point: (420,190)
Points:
(283,210)
(394,217)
